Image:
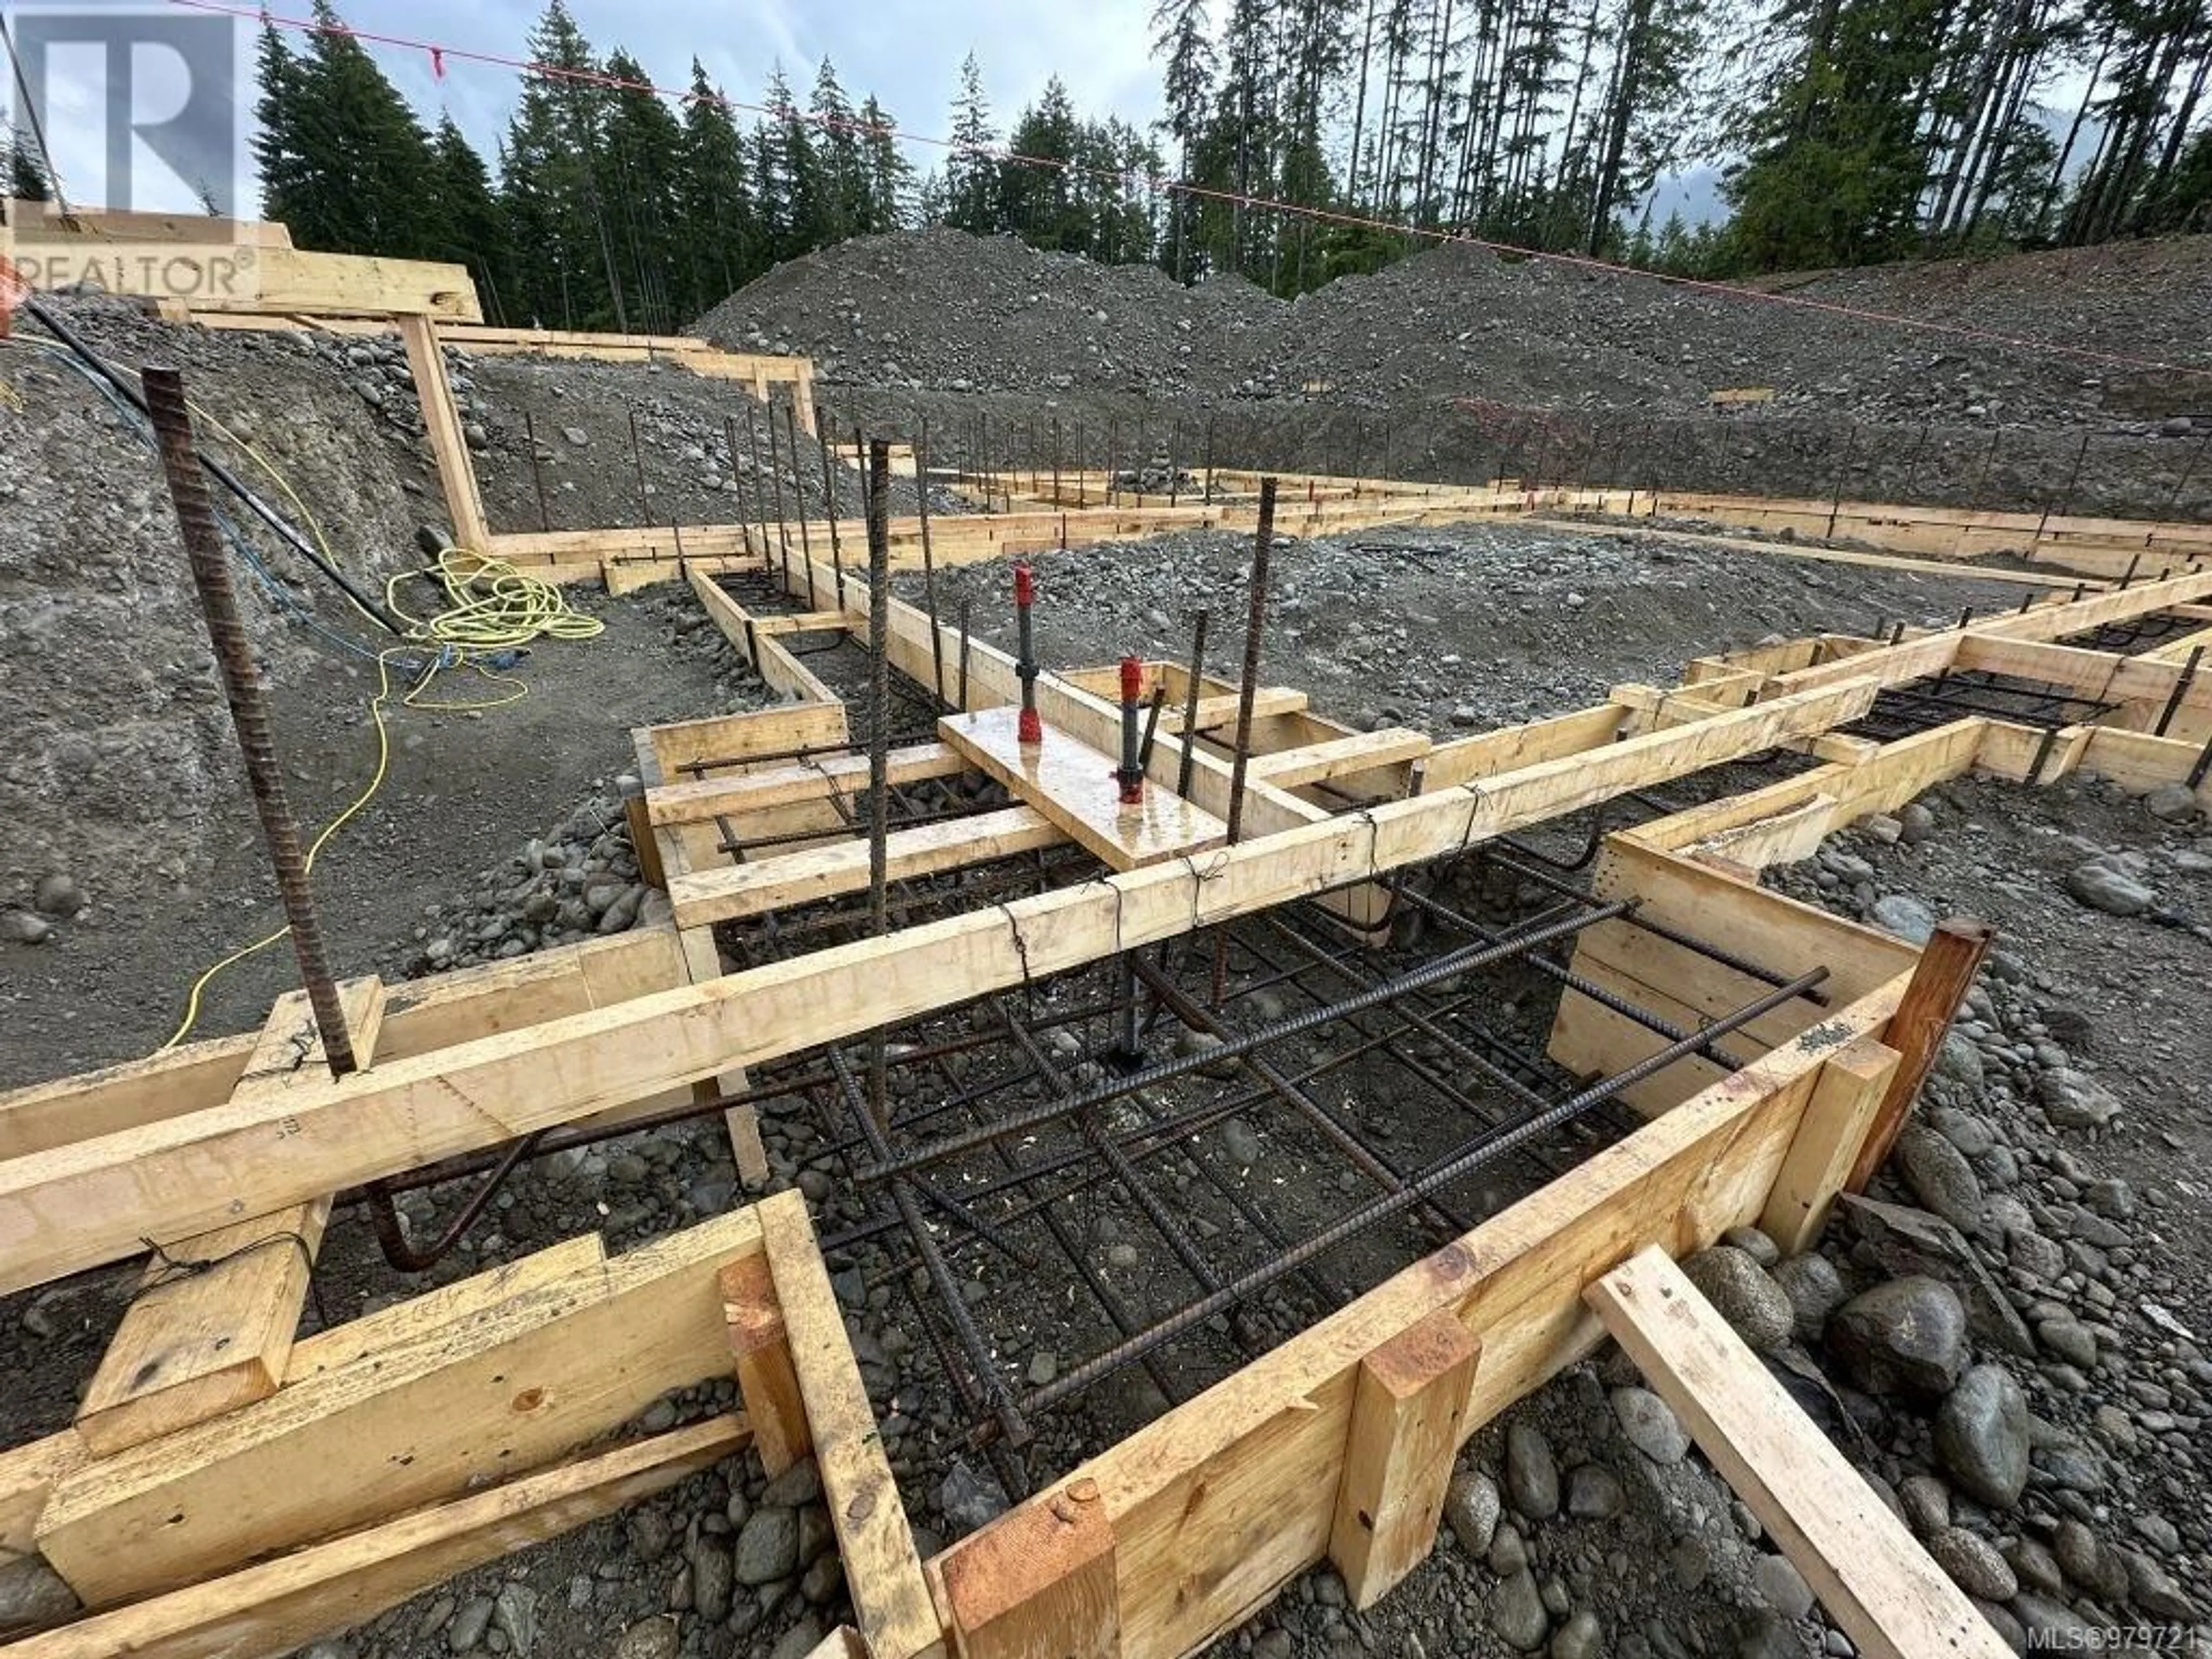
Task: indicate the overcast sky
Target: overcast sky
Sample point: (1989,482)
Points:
(908,52)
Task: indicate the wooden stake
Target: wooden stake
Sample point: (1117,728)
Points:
(1411,1396)
(1948,965)
(1041,1586)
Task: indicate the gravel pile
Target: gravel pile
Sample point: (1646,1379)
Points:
(964,313)
(940,310)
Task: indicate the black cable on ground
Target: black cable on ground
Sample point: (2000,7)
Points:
(221,474)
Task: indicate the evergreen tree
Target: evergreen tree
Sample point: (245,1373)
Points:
(1037,196)
(971,195)
(345,164)
(552,181)
(890,175)
(26,178)
(471,227)
(847,206)
(720,236)
(1181,36)
(644,143)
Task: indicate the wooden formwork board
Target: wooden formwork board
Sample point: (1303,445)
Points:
(1202,1515)
(1215,1506)
(90,1202)
(1208,1512)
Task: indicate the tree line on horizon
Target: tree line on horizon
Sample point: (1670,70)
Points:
(1860,131)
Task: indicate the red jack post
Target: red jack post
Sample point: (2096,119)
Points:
(1031,729)
(1131,773)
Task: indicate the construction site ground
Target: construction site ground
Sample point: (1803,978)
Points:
(120,776)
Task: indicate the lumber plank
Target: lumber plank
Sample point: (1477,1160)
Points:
(1042,1589)
(785,786)
(1406,1413)
(766,1380)
(1362,752)
(1790,835)
(1897,773)
(1219,711)
(1873,1577)
(702,962)
(882,1570)
(447,1398)
(703,896)
(29,1473)
(441,424)
(1073,785)
(1515,746)
(43,1116)
(271,1609)
(43,221)
(723,741)
(194,1344)
(1845,1105)
(2105,675)
(2137,760)
(287,279)
(77,1205)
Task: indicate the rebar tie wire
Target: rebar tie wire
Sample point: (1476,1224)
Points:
(995,1392)
(1445,967)
(1472,1155)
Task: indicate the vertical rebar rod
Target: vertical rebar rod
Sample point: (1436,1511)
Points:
(1209,458)
(2188,468)
(249,705)
(760,493)
(964,642)
(1842,470)
(929,563)
(1113,455)
(1255,624)
(537,469)
(775,483)
(2180,692)
(637,460)
(737,479)
(1256,628)
(799,500)
(1190,694)
(1055,461)
(879,734)
(2064,502)
(829,505)
(1175,460)
(1082,480)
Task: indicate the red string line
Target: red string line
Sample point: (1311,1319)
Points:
(439,53)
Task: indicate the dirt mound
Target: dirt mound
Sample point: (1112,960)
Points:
(943,309)
(946,311)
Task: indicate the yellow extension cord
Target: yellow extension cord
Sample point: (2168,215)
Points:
(491,608)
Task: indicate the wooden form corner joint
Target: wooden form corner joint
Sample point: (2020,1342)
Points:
(1847,1096)
(1409,1403)
(766,1380)
(1039,1584)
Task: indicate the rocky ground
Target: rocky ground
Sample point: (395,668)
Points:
(1449,631)
(2008,1339)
